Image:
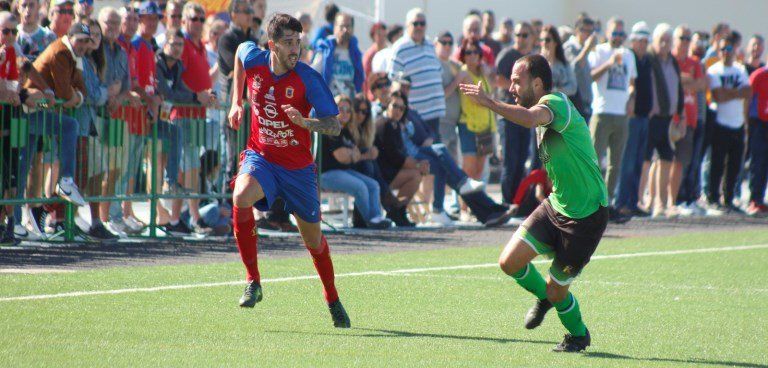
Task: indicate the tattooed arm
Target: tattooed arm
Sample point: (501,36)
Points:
(329,125)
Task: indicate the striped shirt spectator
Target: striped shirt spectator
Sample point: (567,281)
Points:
(415,58)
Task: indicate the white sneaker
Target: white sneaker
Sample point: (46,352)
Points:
(697,209)
(116,228)
(134,226)
(684,210)
(28,227)
(471,186)
(67,189)
(441,218)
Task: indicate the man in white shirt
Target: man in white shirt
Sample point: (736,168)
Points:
(613,74)
(729,83)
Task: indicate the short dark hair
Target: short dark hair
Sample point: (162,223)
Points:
(281,22)
(393,31)
(584,21)
(735,37)
(330,12)
(474,12)
(538,67)
(490,13)
(376,27)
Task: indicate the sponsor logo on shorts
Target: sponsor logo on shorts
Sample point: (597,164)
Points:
(567,269)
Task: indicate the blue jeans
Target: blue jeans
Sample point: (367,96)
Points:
(371,169)
(758,169)
(516,150)
(211,215)
(434,125)
(445,170)
(690,189)
(632,164)
(363,188)
(51,124)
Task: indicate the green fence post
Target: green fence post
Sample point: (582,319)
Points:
(152,187)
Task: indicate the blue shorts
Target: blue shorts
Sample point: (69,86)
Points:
(298,188)
(467,140)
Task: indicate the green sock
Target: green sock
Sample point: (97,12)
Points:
(530,279)
(570,315)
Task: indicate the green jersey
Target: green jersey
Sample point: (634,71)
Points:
(568,154)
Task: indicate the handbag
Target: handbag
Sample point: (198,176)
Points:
(484,143)
(677,129)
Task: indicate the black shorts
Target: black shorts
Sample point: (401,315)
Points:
(570,241)
(658,139)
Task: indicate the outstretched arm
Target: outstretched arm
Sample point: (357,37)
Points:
(328,125)
(519,115)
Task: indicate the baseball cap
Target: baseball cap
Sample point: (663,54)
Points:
(640,31)
(78,29)
(149,8)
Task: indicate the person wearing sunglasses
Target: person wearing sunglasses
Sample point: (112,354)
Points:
(339,154)
(414,57)
(563,78)
(613,73)
(32,38)
(688,151)
(729,83)
(171,17)
(471,28)
(196,76)
(83,10)
(515,139)
(62,15)
(452,75)
(339,60)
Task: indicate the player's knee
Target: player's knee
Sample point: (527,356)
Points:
(555,292)
(509,265)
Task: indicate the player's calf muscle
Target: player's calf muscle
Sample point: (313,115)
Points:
(556,292)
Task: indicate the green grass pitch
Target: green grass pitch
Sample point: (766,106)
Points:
(670,307)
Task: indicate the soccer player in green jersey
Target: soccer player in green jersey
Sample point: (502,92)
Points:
(569,224)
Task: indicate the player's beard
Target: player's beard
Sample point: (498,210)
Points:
(526,99)
(290,61)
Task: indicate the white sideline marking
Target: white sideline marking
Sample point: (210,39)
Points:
(366,273)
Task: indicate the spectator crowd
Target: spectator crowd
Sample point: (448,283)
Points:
(108,104)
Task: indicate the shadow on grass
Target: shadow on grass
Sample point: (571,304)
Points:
(671,360)
(379,333)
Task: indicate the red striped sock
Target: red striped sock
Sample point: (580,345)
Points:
(321,257)
(246,236)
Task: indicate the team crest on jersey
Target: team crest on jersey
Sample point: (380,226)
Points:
(289,92)
(256,85)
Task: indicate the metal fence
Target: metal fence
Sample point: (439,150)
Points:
(121,154)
